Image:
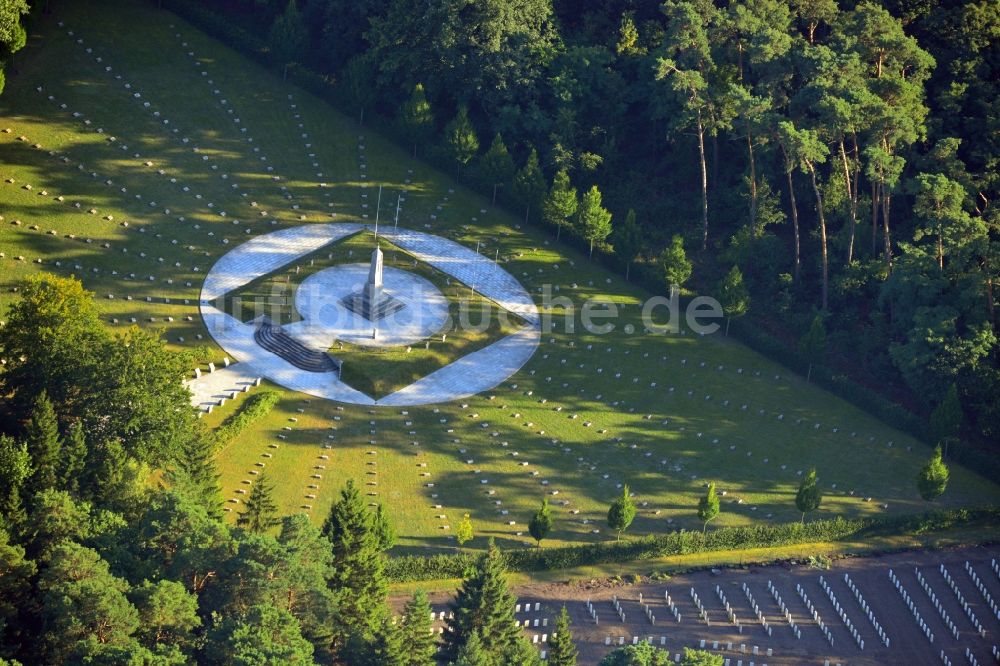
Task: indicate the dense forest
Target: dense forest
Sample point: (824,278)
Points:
(832,164)
(99,566)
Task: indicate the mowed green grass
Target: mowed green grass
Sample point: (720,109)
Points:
(665,444)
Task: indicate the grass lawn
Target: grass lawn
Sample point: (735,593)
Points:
(588,413)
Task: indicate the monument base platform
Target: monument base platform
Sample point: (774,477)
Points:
(372,309)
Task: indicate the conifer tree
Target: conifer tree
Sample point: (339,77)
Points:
(416,116)
(388,646)
(385,533)
(809,497)
(621,513)
(813,343)
(593,218)
(541,523)
(484,607)
(708,507)
(529,183)
(287,37)
(194,470)
(561,203)
(260,512)
(562,650)
(74,459)
(41,434)
(461,138)
(358,580)
(933,478)
(497,165)
(416,631)
(628,241)
(472,653)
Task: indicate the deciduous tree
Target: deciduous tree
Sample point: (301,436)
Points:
(933,478)
(809,496)
(708,507)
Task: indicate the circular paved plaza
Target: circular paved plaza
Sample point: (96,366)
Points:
(320,301)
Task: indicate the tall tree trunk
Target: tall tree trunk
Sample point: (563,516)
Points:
(885,228)
(704,184)
(822,235)
(753,178)
(990,302)
(851,199)
(856,177)
(875,204)
(795,216)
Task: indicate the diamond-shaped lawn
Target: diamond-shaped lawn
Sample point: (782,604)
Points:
(379,371)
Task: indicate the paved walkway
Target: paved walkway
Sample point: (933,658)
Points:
(472,268)
(474,373)
(265,254)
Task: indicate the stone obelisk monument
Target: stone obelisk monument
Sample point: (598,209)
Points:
(373,302)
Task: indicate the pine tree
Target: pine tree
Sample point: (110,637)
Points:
(485,607)
(194,470)
(561,202)
(287,38)
(628,241)
(416,631)
(472,653)
(708,507)
(416,116)
(529,183)
(809,497)
(74,459)
(562,650)
(385,534)
(461,138)
(358,565)
(933,478)
(594,220)
(41,434)
(621,513)
(497,165)
(813,343)
(388,646)
(260,512)
(541,523)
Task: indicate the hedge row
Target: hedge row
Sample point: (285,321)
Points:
(255,408)
(434,567)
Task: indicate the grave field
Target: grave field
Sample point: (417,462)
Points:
(225,151)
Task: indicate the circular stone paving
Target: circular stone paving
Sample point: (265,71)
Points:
(319,302)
